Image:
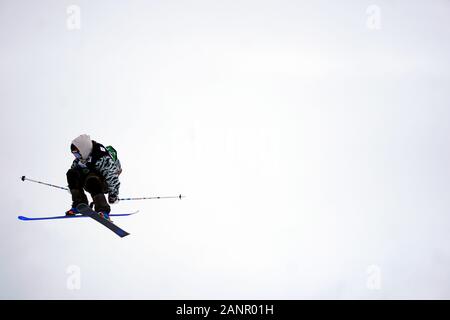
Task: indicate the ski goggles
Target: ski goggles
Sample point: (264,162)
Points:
(76,154)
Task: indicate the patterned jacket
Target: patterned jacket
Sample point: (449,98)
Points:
(101,163)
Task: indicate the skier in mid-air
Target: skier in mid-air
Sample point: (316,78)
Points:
(95,171)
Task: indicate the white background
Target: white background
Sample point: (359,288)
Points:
(312,148)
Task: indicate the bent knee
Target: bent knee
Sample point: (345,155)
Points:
(73,178)
(72,173)
(93,185)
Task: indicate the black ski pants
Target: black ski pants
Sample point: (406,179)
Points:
(80,179)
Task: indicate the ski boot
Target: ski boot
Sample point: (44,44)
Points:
(72,212)
(104,215)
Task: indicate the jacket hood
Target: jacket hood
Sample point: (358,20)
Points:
(84,145)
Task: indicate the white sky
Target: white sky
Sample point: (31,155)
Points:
(312,149)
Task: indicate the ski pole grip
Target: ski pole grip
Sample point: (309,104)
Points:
(23,178)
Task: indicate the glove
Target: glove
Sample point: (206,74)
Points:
(113,199)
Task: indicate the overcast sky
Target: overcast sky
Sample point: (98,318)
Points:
(311,140)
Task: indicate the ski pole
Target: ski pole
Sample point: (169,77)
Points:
(23,178)
(149,198)
(47,184)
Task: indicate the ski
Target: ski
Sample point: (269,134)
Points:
(23,218)
(84,209)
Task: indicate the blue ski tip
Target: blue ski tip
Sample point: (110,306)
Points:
(22,218)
